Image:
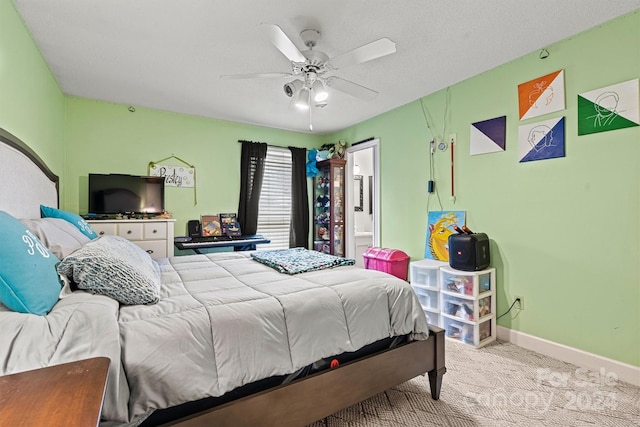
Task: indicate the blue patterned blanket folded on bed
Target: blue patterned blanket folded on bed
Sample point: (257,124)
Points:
(299,260)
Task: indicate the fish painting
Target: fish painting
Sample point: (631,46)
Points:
(439,228)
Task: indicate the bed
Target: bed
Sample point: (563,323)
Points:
(224,339)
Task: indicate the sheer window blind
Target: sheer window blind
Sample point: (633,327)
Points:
(274,215)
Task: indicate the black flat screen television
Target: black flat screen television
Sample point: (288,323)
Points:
(125,194)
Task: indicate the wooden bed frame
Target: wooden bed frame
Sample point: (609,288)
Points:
(298,403)
(312,398)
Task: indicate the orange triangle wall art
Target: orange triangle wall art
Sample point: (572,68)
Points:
(541,96)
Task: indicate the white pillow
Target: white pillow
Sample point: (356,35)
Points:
(59,236)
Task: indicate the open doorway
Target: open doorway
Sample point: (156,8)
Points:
(362,199)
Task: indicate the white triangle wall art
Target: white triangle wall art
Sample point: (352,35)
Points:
(541,140)
(609,108)
(488,136)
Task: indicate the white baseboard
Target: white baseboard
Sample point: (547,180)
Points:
(623,371)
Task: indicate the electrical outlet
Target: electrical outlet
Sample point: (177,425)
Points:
(452,138)
(519,303)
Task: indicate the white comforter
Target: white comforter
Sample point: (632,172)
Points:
(223,321)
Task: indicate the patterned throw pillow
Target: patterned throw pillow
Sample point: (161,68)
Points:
(73,218)
(115,267)
(29,282)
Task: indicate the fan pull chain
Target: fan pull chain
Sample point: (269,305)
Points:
(310,122)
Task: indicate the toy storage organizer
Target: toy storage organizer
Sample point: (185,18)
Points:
(392,261)
(460,302)
(425,282)
(468,305)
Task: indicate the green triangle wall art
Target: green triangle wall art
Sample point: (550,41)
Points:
(609,108)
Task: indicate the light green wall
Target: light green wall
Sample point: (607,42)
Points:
(565,232)
(108,138)
(31,102)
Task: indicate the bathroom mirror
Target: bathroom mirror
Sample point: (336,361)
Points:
(357,203)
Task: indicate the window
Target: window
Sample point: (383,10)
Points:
(274,215)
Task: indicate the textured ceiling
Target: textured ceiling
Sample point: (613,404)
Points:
(169,54)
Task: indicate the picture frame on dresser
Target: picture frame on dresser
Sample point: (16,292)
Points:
(210,225)
(227,221)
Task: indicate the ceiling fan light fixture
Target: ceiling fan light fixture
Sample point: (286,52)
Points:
(320,94)
(291,88)
(309,89)
(302,101)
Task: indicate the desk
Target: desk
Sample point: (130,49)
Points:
(246,243)
(67,395)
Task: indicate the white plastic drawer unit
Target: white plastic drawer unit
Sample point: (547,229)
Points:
(425,278)
(472,283)
(477,334)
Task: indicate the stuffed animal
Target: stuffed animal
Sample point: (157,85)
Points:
(312,170)
(339,149)
(323,219)
(322,201)
(333,151)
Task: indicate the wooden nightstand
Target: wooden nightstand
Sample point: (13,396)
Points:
(67,395)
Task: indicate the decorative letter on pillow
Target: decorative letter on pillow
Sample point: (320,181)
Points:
(115,267)
(60,236)
(29,282)
(75,219)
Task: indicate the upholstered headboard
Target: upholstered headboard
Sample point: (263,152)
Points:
(25,180)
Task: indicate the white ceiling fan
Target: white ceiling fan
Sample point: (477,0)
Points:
(311,68)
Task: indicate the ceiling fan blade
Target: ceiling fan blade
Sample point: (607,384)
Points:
(351,88)
(283,43)
(373,50)
(255,76)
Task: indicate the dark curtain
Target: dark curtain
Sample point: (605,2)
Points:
(251,174)
(299,233)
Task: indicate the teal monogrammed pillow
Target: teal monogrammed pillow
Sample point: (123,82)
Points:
(73,218)
(29,282)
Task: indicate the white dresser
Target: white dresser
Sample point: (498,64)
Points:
(153,235)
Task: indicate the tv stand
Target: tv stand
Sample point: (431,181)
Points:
(153,235)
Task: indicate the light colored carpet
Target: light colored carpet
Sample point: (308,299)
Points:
(500,385)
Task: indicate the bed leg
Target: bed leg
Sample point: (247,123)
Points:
(436,374)
(435,382)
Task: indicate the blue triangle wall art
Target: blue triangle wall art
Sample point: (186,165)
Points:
(488,136)
(541,140)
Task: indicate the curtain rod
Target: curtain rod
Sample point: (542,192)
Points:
(364,140)
(269,145)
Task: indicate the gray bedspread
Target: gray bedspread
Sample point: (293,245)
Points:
(223,320)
